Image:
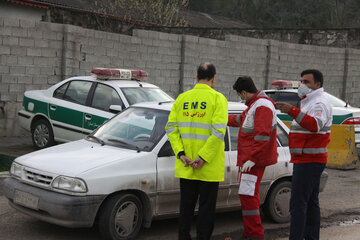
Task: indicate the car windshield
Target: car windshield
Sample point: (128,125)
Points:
(334,101)
(135,128)
(140,94)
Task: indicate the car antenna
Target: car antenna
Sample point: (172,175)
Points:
(138,81)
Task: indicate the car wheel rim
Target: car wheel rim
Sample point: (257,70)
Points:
(126,218)
(281,202)
(41,135)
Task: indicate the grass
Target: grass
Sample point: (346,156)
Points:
(5,162)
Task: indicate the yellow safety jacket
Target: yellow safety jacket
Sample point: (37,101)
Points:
(197,126)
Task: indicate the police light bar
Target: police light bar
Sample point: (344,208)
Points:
(118,74)
(283,84)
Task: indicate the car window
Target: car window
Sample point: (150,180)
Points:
(234,133)
(104,96)
(271,95)
(226,140)
(134,128)
(289,97)
(139,94)
(282,136)
(59,92)
(74,91)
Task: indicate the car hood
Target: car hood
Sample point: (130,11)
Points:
(74,158)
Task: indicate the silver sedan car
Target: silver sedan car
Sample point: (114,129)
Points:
(122,176)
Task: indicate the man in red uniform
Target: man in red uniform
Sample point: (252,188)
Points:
(308,140)
(257,149)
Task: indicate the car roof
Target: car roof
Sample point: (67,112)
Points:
(232,106)
(114,83)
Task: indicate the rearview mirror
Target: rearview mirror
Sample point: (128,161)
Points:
(115,108)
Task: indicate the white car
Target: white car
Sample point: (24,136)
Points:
(343,113)
(74,107)
(122,175)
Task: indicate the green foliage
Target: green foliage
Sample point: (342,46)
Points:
(286,13)
(162,12)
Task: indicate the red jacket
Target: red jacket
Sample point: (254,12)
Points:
(257,133)
(310,129)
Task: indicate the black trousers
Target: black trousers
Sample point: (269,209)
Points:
(190,192)
(304,202)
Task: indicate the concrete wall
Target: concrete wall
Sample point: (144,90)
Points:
(35,55)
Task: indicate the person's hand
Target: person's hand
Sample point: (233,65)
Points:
(187,161)
(284,107)
(247,166)
(197,163)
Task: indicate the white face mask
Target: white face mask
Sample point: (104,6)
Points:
(303,90)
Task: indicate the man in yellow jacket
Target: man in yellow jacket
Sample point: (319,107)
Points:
(196,130)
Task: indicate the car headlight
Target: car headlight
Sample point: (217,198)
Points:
(69,184)
(16,170)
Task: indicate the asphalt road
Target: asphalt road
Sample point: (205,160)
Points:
(340,205)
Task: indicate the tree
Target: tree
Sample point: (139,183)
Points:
(160,12)
(286,14)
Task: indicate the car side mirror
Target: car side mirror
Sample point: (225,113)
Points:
(115,108)
(166,150)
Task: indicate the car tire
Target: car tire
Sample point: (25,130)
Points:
(42,134)
(120,218)
(278,202)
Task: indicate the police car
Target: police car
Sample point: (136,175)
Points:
(122,176)
(74,107)
(343,113)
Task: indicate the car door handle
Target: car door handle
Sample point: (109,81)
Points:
(87,117)
(52,107)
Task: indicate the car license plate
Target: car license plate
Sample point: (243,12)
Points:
(26,199)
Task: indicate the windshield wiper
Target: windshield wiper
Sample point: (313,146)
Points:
(123,142)
(97,139)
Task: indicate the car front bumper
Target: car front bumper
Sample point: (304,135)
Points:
(57,208)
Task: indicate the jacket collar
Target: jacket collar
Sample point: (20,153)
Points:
(254,98)
(313,94)
(202,86)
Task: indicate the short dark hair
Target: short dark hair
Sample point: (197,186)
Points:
(318,76)
(245,83)
(206,71)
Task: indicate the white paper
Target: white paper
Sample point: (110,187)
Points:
(247,184)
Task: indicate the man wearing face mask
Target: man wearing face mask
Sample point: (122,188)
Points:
(308,140)
(257,149)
